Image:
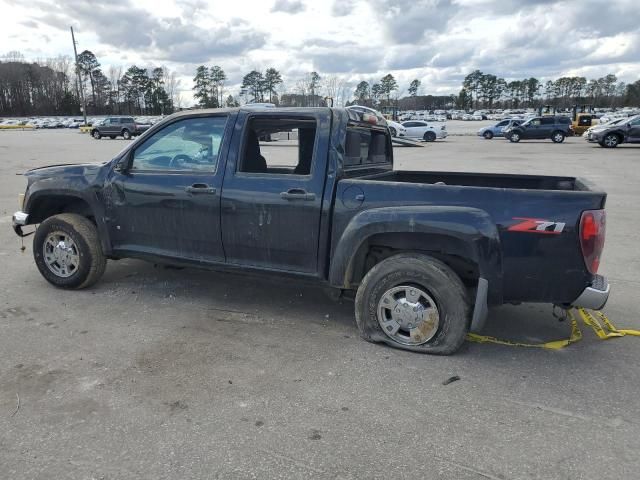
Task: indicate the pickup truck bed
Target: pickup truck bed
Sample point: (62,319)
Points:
(495,202)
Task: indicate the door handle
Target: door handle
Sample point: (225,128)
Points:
(200,188)
(297,194)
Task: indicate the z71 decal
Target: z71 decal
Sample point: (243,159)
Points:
(536,225)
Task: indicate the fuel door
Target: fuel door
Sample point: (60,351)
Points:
(353,197)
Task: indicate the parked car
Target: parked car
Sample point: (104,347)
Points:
(396,129)
(552,127)
(497,130)
(612,135)
(610,123)
(113,127)
(424,252)
(425,131)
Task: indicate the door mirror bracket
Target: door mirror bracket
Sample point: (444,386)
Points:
(122,166)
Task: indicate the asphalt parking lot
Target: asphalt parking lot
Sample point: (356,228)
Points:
(157,373)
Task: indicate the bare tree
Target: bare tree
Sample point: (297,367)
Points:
(172,86)
(335,87)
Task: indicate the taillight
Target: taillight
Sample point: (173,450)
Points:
(592,232)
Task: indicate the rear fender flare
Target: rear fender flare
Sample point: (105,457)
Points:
(470,227)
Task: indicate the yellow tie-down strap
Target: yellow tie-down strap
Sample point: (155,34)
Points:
(604,331)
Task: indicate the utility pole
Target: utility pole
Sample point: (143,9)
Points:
(79,80)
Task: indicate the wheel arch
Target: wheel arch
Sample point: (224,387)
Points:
(617,133)
(44,204)
(466,239)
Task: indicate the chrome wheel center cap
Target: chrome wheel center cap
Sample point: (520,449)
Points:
(408,315)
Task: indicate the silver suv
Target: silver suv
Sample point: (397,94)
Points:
(112,127)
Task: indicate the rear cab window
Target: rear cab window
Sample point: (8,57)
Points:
(367,143)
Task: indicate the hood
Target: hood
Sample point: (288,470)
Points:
(65,169)
(599,128)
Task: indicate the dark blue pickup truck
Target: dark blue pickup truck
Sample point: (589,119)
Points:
(426,252)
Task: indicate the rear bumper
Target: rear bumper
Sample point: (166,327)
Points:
(595,296)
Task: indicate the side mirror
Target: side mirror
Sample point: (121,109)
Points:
(122,166)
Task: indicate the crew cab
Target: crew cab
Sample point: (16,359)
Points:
(426,253)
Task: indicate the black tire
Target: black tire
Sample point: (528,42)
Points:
(488,135)
(393,132)
(96,134)
(428,274)
(557,137)
(112,137)
(610,140)
(429,137)
(84,234)
(514,137)
(126,134)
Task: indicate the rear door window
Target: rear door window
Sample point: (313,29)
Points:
(279,146)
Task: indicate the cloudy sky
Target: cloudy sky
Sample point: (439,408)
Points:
(437,41)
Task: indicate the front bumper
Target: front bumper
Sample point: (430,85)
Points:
(19,220)
(595,296)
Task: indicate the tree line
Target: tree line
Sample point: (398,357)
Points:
(312,90)
(485,90)
(50,87)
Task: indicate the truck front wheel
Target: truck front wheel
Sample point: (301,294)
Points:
(67,251)
(413,302)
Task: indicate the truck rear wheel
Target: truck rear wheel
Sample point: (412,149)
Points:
(413,302)
(96,134)
(67,251)
(557,137)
